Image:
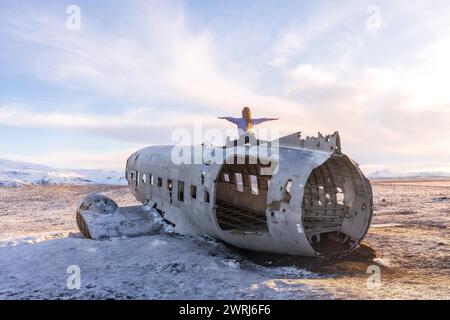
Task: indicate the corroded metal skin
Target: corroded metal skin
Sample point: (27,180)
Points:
(299,212)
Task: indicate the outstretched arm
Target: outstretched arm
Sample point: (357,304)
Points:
(231,119)
(261,120)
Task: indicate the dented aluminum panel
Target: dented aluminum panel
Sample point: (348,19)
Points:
(311,200)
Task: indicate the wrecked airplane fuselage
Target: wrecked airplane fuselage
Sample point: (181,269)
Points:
(310,200)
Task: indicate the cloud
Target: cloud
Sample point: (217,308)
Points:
(308,76)
(144,125)
(165,60)
(388,98)
(287,46)
(69,159)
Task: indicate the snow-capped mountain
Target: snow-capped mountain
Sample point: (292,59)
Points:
(13,173)
(388,174)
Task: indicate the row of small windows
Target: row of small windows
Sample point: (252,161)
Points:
(150,179)
(240,181)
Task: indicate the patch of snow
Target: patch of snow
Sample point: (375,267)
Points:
(13,242)
(291,272)
(160,266)
(386,262)
(389,174)
(16,174)
(231,263)
(441,199)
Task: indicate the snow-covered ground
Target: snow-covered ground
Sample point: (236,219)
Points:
(40,242)
(389,174)
(13,173)
(161,266)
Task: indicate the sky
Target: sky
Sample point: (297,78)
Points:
(87,90)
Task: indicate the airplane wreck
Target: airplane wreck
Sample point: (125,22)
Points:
(312,199)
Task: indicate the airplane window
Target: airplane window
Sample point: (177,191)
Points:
(239,183)
(150,179)
(287,192)
(193,192)
(254,184)
(203,177)
(289,186)
(181,191)
(137,178)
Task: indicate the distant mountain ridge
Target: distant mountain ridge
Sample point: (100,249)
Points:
(15,173)
(389,174)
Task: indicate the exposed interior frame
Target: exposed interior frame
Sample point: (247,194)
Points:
(241,198)
(335,196)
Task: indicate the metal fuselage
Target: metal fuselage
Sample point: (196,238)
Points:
(316,202)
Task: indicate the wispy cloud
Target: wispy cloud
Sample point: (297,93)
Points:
(112,160)
(289,44)
(164,60)
(326,72)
